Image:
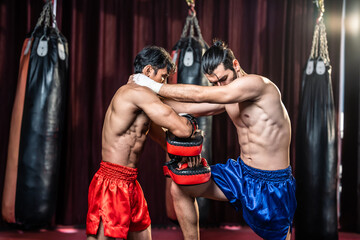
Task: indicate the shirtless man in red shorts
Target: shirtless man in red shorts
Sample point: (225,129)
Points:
(116,204)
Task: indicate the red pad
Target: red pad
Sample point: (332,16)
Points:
(185,175)
(188,151)
(186,147)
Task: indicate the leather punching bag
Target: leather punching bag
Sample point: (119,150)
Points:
(36,148)
(187,54)
(316,156)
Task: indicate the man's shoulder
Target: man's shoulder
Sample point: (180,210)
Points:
(253,81)
(134,93)
(255,77)
(132,89)
(124,99)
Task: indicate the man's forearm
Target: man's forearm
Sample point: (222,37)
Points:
(181,92)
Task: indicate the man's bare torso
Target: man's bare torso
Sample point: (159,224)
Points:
(124,130)
(263,129)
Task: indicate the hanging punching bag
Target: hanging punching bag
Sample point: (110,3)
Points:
(316,157)
(187,54)
(40,131)
(8,202)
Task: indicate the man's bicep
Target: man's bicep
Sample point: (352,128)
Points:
(160,113)
(242,89)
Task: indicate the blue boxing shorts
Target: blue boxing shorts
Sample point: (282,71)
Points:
(267,198)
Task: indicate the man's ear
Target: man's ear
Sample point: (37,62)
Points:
(147,70)
(236,65)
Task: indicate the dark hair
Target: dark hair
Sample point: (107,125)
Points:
(155,56)
(218,53)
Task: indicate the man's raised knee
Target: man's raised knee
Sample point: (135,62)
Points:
(178,191)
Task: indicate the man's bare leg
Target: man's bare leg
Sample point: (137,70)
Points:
(170,211)
(169,202)
(288,236)
(140,235)
(187,212)
(100,234)
(186,207)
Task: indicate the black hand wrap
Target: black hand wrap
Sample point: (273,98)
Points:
(192,121)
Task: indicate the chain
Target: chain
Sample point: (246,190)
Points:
(53,17)
(192,27)
(193,24)
(324,53)
(47,17)
(186,27)
(315,41)
(197,27)
(319,44)
(42,15)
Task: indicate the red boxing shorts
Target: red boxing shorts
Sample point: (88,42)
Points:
(116,197)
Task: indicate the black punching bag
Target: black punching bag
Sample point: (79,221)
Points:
(187,54)
(42,124)
(316,152)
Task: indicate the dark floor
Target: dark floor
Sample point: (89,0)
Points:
(173,233)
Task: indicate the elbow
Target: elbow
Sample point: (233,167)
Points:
(184,130)
(183,133)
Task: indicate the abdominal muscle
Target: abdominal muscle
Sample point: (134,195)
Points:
(264,148)
(125,149)
(264,141)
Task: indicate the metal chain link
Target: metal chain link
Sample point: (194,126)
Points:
(324,53)
(53,17)
(196,24)
(315,41)
(186,27)
(192,27)
(319,44)
(47,15)
(192,24)
(42,15)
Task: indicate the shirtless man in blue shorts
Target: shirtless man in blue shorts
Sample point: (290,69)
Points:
(260,181)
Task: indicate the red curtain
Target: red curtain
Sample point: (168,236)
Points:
(271,38)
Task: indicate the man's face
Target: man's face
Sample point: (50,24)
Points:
(220,76)
(161,75)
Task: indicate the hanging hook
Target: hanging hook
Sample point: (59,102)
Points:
(191,4)
(321,7)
